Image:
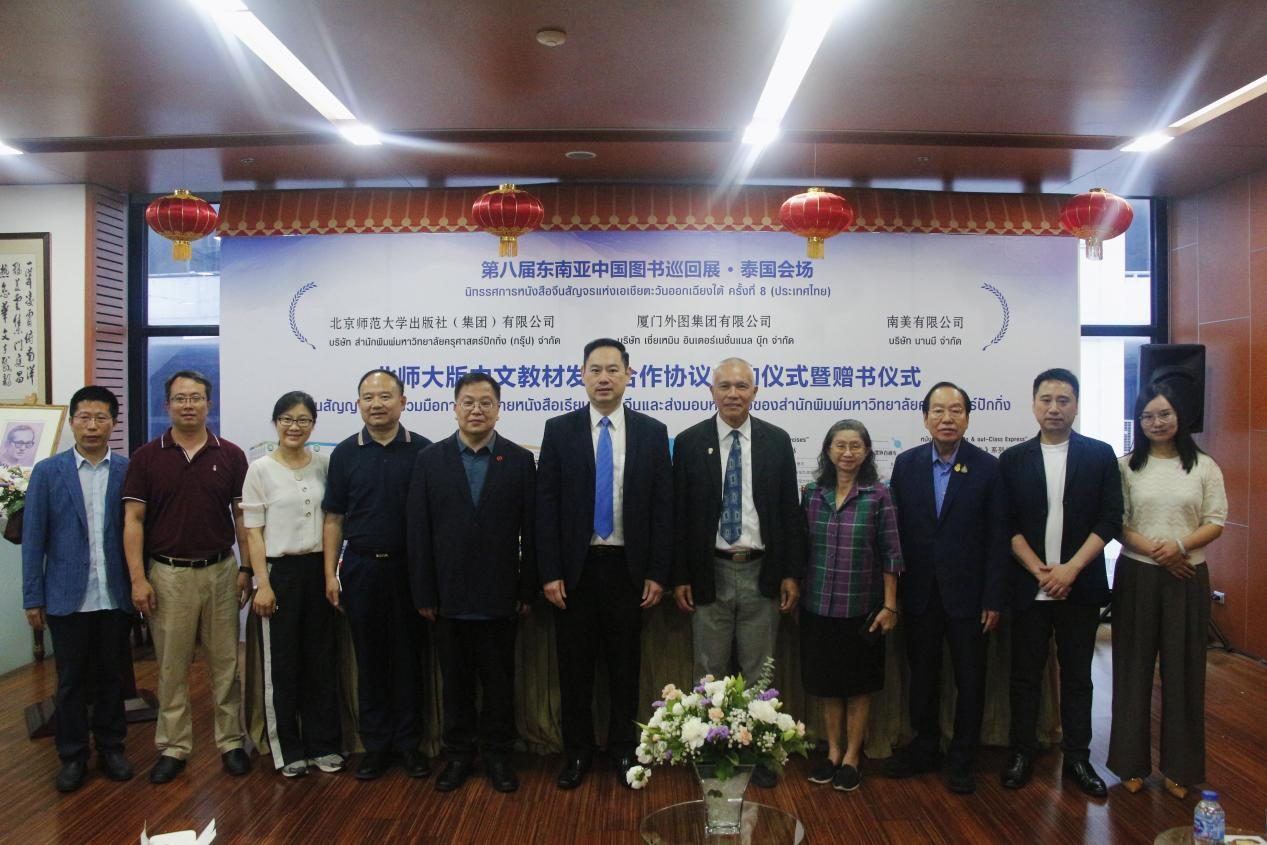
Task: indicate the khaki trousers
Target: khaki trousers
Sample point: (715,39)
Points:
(195,603)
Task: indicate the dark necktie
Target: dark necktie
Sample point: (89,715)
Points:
(732,492)
(604,518)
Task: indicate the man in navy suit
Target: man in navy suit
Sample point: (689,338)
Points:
(1065,498)
(604,544)
(75,581)
(951,521)
(473,571)
(739,552)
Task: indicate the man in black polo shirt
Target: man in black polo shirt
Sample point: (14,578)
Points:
(365,505)
(181,500)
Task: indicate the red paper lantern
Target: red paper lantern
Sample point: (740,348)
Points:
(508,213)
(1096,216)
(817,215)
(181,217)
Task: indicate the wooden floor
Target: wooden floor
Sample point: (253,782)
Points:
(264,808)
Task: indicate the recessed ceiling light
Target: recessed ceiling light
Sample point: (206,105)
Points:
(551,36)
(6,150)
(246,161)
(580,155)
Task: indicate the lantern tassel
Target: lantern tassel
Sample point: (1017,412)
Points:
(814,247)
(1095,249)
(181,251)
(509,247)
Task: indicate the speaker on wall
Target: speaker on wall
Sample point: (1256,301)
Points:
(1182,367)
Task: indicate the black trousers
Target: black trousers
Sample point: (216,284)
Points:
(602,619)
(1074,626)
(478,653)
(91,651)
(297,642)
(387,634)
(924,634)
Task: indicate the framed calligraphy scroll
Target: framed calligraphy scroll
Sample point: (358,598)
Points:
(25,366)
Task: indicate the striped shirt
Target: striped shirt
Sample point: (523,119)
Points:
(850,549)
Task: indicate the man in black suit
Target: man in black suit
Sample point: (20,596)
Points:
(951,521)
(1065,497)
(739,547)
(604,536)
(473,571)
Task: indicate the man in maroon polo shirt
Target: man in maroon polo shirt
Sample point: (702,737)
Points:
(182,514)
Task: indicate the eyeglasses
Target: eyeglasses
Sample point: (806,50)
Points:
(468,404)
(187,399)
(1162,417)
(302,422)
(956,411)
(84,419)
(850,448)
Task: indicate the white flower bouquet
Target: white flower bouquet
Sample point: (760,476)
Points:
(13,482)
(720,723)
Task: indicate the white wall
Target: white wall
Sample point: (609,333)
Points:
(60,210)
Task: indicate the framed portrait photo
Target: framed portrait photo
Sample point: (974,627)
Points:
(29,433)
(25,367)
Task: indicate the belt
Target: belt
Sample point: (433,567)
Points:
(192,562)
(739,555)
(377,554)
(604,549)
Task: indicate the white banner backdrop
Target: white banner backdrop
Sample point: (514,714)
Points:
(862,333)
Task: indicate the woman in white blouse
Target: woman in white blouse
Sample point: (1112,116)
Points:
(281,506)
(1175,507)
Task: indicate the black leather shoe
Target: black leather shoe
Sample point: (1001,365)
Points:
(573,773)
(453,775)
(235,761)
(624,763)
(1086,778)
(71,777)
(373,764)
(114,764)
(415,764)
(1018,772)
(906,763)
(764,778)
(501,775)
(166,769)
(961,782)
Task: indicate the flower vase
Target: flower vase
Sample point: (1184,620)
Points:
(723,798)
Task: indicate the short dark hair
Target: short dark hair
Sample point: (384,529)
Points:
(400,385)
(477,377)
(290,400)
(967,400)
(192,375)
(1057,374)
(826,476)
(19,427)
(605,341)
(95,393)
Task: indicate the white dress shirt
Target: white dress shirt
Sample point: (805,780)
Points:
(286,503)
(617,428)
(750,527)
(93,481)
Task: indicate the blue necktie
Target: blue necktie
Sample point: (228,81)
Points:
(732,493)
(604,519)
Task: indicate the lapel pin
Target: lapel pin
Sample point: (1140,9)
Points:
(710,450)
(960,468)
(499,458)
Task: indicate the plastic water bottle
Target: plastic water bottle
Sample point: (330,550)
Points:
(1207,820)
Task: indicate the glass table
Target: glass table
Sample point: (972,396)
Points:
(683,824)
(1183,835)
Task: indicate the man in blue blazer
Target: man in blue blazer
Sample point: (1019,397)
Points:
(952,524)
(473,571)
(1065,500)
(75,581)
(604,547)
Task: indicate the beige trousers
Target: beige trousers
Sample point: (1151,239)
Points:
(192,604)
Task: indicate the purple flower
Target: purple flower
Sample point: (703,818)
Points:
(668,755)
(766,695)
(657,704)
(700,689)
(722,732)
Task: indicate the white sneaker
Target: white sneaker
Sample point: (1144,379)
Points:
(297,769)
(330,763)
